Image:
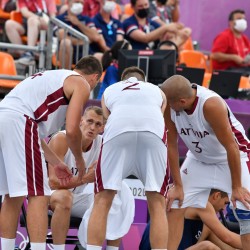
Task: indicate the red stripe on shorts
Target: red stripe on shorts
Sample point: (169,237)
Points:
(98,174)
(33,157)
(37,162)
(165,185)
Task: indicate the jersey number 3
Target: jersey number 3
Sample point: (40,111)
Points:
(197,148)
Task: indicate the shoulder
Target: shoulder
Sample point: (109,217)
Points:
(59,140)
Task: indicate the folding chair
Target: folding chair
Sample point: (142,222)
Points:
(70,239)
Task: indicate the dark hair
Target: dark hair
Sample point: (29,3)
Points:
(133,71)
(223,194)
(231,15)
(112,54)
(133,2)
(169,43)
(89,65)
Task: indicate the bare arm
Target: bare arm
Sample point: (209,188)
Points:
(156,34)
(216,114)
(223,57)
(214,226)
(26,13)
(77,91)
(105,110)
(173,156)
(60,146)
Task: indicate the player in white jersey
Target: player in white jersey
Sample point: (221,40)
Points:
(37,107)
(134,139)
(77,197)
(218,155)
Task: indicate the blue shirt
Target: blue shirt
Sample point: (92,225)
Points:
(111,77)
(108,30)
(131,24)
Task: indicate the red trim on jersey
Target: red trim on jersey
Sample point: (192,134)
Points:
(98,175)
(164,138)
(51,104)
(242,142)
(34,171)
(165,185)
(191,111)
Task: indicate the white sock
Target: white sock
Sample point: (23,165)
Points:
(38,246)
(91,247)
(7,244)
(59,247)
(112,248)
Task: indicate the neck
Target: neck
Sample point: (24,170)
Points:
(105,16)
(191,100)
(236,33)
(85,144)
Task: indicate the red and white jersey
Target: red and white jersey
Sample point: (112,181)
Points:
(41,97)
(199,137)
(134,106)
(89,157)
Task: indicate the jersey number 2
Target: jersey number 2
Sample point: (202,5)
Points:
(131,87)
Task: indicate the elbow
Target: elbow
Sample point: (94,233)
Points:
(96,38)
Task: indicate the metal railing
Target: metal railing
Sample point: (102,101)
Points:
(68,32)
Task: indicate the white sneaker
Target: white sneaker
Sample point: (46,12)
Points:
(27,59)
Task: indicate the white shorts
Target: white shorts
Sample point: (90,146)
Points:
(199,178)
(142,154)
(23,169)
(120,217)
(82,202)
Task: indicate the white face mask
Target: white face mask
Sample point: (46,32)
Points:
(109,6)
(240,25)
(77,8)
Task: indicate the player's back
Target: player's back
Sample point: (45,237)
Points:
(134,106)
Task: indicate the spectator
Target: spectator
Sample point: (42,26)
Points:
(75,198)
(163,11)
(107,26)
(110,64)
(202,227)
(142,32)
(74,18)
(91,8)
(35,18)
(231,48)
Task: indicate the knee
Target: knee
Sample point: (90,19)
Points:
(33,21)
(208,245)
(61,199)
(9,26)
(104,199)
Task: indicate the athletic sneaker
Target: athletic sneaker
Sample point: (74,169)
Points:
(27,58)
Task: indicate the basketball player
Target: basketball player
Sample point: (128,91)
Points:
(36,108)
(133,143)
(217,157)
(75,198)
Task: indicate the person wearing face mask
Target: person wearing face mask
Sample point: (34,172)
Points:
(108,27)
(141,31)
(73,17)
(231,48)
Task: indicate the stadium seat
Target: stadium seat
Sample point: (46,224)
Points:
(4,15)
(193,59)
(206,79)
(188,45)
(244,83)
(7,67)
(128,10)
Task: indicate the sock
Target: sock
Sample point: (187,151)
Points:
(112,248)
(38,246)
(7,244)
(59,247)
(91,247)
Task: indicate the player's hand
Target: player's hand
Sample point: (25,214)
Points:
(80,164)
(63,173)
(174,193)
(241,194)
(90,175)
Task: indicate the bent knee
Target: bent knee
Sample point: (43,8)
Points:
(208,245)
(61,199)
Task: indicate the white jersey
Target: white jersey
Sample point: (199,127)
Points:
(198,135)
(134,106)
(41,97)
(89,157)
